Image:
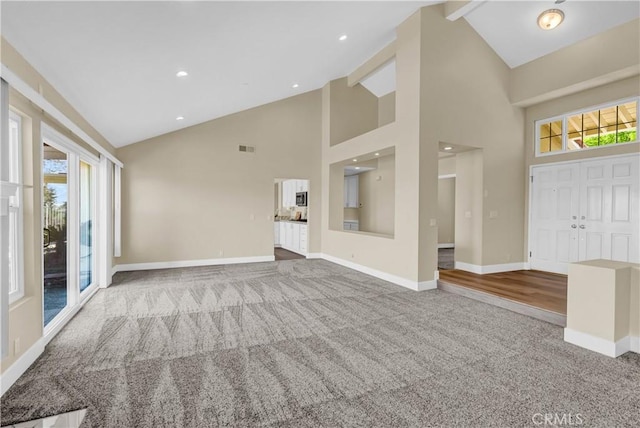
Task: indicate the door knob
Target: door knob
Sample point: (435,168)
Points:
(573,226)
(582,226)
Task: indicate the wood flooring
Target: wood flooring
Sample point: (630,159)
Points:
(282,254)
(539,289)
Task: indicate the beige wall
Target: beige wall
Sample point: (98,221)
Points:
(573,67)
(377,197)
(25,315)
(469,106)
(387,109)
(348,122)
(469,207)
(446,210)
(191,195)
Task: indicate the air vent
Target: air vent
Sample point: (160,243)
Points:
(247,149)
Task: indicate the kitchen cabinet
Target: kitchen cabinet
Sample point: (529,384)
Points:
(293,236)
(289,190)
(351,225)
(276,234)
(351,191)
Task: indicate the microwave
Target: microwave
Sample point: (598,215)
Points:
(301,199)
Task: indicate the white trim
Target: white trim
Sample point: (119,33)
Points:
(413,285)
(191,263)
(314,256)
(447,245)
(19,366)
(485,269)
(21,86)
(19,250)
(117,211)
(600,345)
(443,176)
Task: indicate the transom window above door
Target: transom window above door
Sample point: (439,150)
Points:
(605,125)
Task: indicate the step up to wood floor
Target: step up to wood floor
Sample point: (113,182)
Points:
(511,305)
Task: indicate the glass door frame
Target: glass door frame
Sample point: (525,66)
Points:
(75,153)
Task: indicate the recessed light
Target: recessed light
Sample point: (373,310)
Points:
(342,38)
(295,85)
(180,118)
(377,154)
(357,167)
(182,73)
(550,19)
(355,160)
(448,148)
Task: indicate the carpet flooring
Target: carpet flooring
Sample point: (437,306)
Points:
(307,343)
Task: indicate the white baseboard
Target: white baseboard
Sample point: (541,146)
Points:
(191,263)
(507,267)
(17,369)
(314,255)
(413,285)
(449,245)
(602,346)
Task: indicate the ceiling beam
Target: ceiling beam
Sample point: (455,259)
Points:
(622,109)
(383,57)
(456,9)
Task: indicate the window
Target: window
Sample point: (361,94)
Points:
(606,125)
(16,284)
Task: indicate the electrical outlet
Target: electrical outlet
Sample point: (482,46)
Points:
(467,214)
(353,255)
(221,253)
(16,346)
(493,214)
(432,222)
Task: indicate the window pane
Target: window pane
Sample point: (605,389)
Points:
(556,128)
(545,145)
(574,141)
(86,221)
(590,121)
(544,131)
(627,112)
(556,143)
(628,133)
(55,191)
(13,250)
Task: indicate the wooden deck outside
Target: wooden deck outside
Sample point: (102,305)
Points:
(535,288)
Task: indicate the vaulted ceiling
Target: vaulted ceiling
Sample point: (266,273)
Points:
(116,62)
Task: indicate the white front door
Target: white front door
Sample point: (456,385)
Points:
(610,215)
(585,210)
(555,206)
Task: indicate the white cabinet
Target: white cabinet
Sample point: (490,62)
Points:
(303,239)
(351,191)
(293,237)
(276,234)
(350,225)
(289,190)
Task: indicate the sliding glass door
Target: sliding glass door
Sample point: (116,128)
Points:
(69,224)
(87,218)
(55,200)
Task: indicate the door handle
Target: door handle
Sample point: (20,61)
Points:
(573,226)
(582,226)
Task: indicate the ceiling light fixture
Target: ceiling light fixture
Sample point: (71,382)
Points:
(550,19)
(448,148)
(182,73)
(357,167)
(180,118)
(377,154)
(295,85)
(342,38)
(355,160)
